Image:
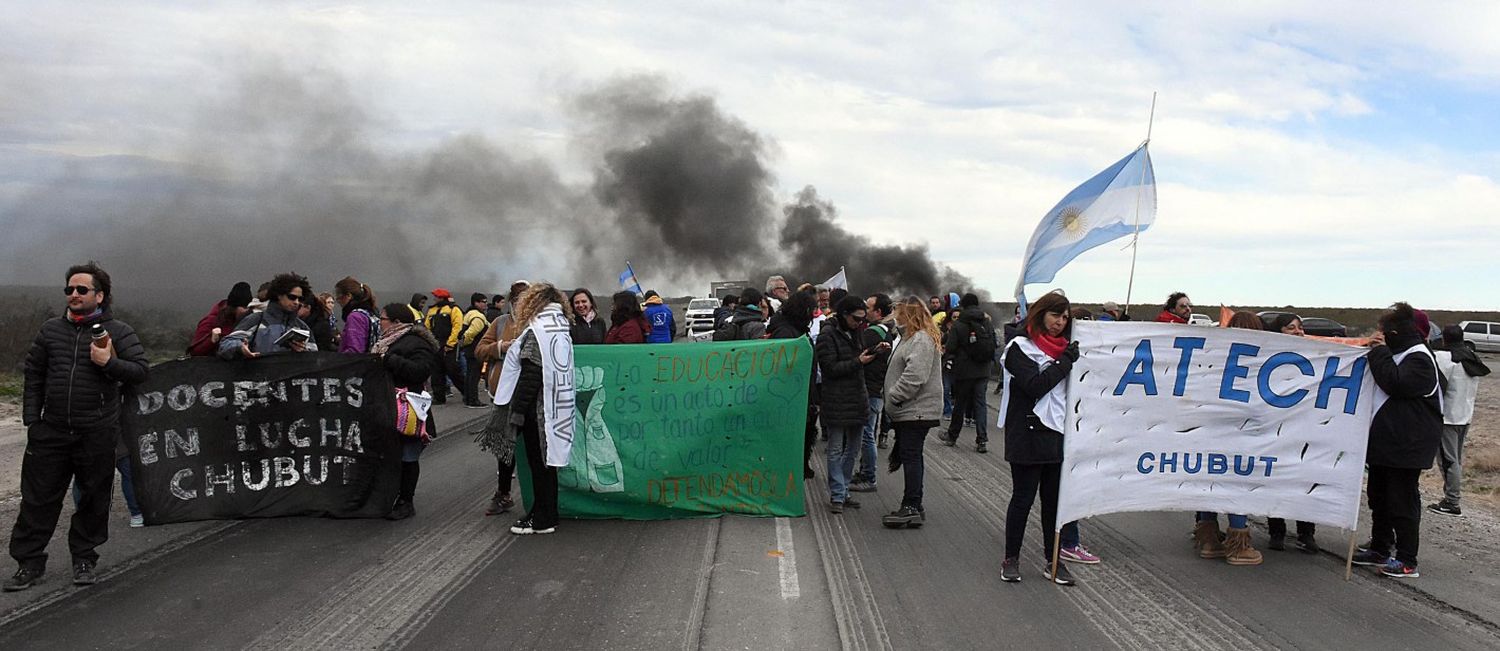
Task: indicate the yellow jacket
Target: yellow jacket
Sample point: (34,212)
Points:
(474,326)
(445,318)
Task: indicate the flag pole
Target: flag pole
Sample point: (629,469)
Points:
(1130,284)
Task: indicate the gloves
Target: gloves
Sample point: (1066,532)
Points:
(1071,352)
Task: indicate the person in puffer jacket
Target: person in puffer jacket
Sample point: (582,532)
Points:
(845,403)
(71,410)
(1404,439)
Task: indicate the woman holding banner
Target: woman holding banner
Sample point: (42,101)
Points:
(409,352)
(1290,324)
(1037,363)
(914,401)
(1235,548)
(793,320)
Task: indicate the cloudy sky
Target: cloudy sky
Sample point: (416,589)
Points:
(1334,154)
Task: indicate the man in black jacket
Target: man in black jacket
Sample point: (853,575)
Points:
(880,331)
(72,415)
(970,346)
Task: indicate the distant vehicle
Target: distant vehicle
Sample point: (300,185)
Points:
(726,287)
(1200,320)
(1268,316)
(1485,335)
(1320,327)
(699,318)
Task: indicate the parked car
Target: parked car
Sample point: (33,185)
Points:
(1200,320)
(699,318)
(1485,335)
(1320,327)
(1268,316)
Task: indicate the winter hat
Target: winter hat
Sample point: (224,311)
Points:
(442,293)
(1424,325)
(240,295)
(969,300)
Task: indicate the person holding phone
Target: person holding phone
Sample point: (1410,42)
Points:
(845,404)
(277,329)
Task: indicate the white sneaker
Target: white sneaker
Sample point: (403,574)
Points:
(137,521)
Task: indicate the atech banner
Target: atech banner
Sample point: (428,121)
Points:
(1164,417)
(686,431)
(295,434)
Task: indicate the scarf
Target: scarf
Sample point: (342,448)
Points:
(551,329)
(389,337)
(1168,317)
(1052,408)
(1052,346)
(76,318)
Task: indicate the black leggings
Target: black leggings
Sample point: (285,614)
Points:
(543,511)
(503,472)
(1027,479)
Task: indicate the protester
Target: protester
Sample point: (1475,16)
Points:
(747,322)
(1235,548)
(1081,314)
(409,352)
(844,405)
(588,327)
(258,333)
(913,395)
(1037,363)
(659,315)
(725,310)
(497,307)
(418,307)
(776,292)
(525,396)
(1405,435)
(1110,312)
(826,301)
(1460,366)
(474,326)
(1176,310)
(71,400)
(627,324)
(357,304)
(314,312)
(445,321)
(491,350)
(220,319)
(969,351)
(794,320)
(877,337)
(1287,324)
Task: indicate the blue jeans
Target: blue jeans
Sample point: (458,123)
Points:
(947,393)
(1235,521)
(843,447)
(867,451)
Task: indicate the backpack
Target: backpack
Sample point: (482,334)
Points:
(440,324)
(983,346)
(730,331)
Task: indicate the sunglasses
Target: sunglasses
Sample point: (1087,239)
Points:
(81,290)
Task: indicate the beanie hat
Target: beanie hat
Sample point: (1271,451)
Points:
(969,300)
(1424,325)
(240,295)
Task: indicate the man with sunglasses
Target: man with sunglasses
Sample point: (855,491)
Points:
(259,333)
(72,416)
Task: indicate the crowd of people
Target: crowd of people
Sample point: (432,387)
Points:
(883,366)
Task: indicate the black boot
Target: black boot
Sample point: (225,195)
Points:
(403,508)
(906,517)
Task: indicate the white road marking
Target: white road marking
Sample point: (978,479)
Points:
(788,560)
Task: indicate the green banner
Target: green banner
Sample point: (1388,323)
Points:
(688,430)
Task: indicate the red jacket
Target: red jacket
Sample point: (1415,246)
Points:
(633,331)
(203,344)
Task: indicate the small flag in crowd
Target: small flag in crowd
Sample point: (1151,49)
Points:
(628,281)
(1117,202)
(838,281)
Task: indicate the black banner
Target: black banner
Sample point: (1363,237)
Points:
(293,434)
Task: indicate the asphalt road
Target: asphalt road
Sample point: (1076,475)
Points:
(451,578)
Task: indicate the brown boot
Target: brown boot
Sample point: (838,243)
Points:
(1206,539)
(1237,549)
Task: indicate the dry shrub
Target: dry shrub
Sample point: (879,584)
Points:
(1482,460)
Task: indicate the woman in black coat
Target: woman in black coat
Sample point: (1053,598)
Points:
(588,326)
(844,403)
(1037,362)
(409,353)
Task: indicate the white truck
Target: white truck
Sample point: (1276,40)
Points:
(698,319)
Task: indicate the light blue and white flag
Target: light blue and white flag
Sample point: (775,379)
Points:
(1117,202)
(628,281)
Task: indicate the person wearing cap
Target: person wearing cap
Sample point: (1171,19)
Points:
(445,322)
(1110,312)
(474,326)
(659,315)
(219,320)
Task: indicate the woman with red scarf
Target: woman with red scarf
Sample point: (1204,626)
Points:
(1176,310)
(1037,363)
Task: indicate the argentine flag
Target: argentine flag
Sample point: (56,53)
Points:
(628,281)
(1117,202)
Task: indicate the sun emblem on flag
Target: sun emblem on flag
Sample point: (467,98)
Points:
(1072,221)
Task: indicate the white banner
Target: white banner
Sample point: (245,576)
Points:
(1164,417)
